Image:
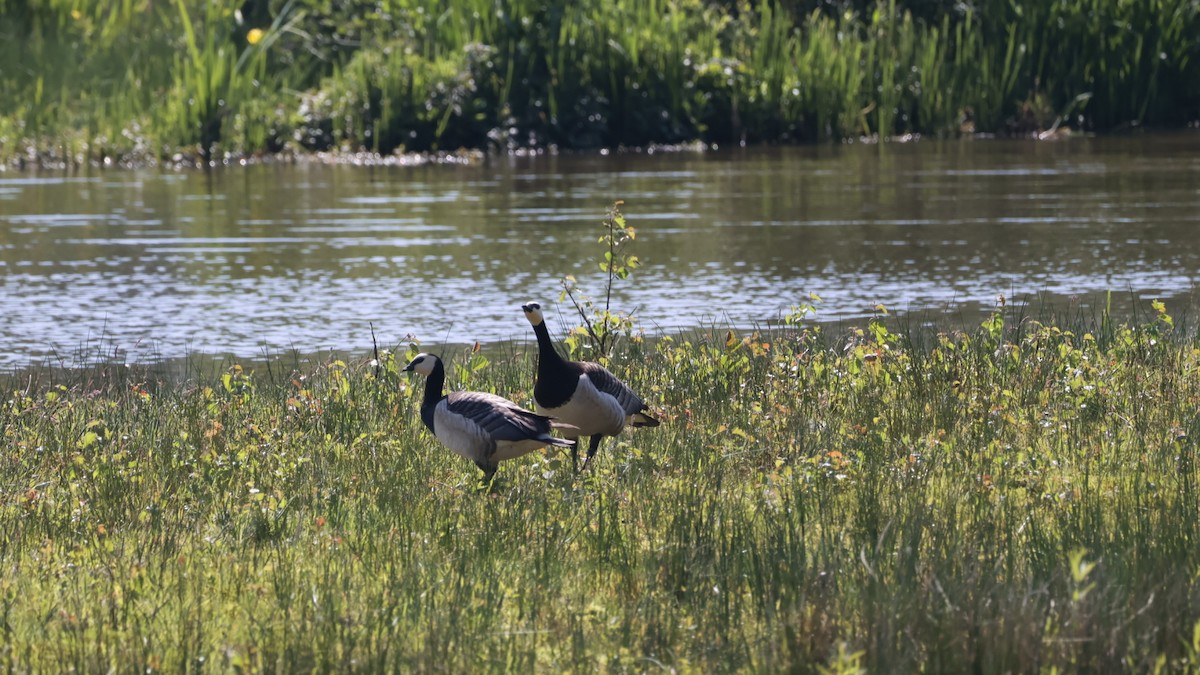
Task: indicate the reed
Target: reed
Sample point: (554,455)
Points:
(129,80)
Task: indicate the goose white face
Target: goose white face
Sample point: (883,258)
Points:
(533,312)
(422,363)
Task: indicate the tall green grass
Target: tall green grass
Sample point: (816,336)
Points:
(1016,497)
(85,81)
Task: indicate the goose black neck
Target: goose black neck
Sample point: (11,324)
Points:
(434,384)
(548,356)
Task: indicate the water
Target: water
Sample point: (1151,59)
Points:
(265,259)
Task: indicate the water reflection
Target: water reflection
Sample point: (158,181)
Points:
(272,258)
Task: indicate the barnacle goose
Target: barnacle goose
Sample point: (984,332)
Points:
(581,393)
(482,427)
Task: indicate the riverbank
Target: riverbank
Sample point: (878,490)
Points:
(191,82)
(1013,497)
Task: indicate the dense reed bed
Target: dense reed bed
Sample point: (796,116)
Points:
(141,81)
(1016,497)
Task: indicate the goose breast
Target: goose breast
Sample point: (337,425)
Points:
(589,409)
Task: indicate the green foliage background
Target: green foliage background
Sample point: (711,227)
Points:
(137,79)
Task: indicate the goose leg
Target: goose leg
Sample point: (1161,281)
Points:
(489,471)
(593,445)
(575,455)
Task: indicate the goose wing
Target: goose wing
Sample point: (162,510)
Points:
(608,383)
(498,417)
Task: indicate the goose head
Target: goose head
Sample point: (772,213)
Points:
(422,363)
(533,312)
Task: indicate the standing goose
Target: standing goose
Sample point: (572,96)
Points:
(582,394)
(482,427)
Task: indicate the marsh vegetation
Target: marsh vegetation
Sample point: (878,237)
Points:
(192,81)
(1013,497)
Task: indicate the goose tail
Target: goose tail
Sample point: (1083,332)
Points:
(642,419)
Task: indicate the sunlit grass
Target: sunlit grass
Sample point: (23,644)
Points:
(1016,497)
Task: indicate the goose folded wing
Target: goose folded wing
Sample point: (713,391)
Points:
(498,417)
(609,384)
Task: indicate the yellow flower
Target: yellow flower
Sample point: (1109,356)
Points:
(254,36)
(76,14)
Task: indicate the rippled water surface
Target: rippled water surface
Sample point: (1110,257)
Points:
(258,260)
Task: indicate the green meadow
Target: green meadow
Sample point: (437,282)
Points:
(185,81)
(1016,496)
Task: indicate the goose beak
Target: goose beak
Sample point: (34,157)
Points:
(407,369)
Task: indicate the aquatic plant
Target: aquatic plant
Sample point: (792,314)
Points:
(441,74)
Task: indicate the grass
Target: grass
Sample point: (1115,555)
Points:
(138,81)
(1016,497)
